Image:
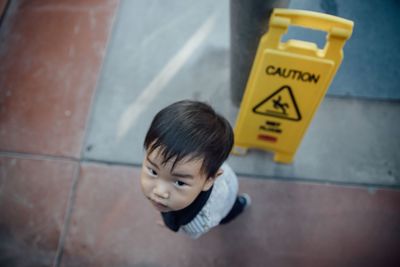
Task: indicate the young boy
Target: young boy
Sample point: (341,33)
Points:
(184,175)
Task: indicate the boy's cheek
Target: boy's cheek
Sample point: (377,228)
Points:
(144,184)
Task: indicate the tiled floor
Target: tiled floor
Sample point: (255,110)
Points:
(289,224)
(52,49)
(59,209)
(34,196)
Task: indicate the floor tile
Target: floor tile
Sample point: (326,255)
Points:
(51,58)
(288,224)
(192,61)
(305,224)
(33,201)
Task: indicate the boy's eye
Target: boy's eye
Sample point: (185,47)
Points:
(151,171)
(179,183)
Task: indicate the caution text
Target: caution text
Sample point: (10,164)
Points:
(292,74)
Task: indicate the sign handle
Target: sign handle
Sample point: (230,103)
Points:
(314,20)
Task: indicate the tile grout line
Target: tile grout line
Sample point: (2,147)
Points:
(95,91)
(68,216)
(4,11)
(362,98)
(251,176)
(72,196)
(265,177)
(319,181)
(36,156)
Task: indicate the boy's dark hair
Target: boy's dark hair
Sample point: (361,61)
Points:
(194,129)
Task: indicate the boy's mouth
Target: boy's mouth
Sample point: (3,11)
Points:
(158,206)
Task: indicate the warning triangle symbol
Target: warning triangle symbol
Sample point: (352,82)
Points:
(281,104)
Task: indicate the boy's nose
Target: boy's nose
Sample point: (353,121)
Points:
(160,190)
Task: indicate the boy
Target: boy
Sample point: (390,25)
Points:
(184,175)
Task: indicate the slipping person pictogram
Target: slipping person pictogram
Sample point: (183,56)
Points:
(281,104)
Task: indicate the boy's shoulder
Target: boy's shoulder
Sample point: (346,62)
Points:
(219,203)
(228,172)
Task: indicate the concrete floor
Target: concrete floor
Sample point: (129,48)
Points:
(351,140)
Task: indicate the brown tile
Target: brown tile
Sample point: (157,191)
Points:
(33,201)
(289,224)
(303,224)
(50,62)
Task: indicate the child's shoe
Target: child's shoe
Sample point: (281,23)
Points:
(242,201)
(245,200)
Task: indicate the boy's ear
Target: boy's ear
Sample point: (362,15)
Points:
(210,180)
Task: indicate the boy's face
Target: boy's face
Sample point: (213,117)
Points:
(171,190)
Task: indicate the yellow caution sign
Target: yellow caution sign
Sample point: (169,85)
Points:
(288,82)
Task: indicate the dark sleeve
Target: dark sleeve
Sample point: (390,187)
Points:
(175,219)
(170,221)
